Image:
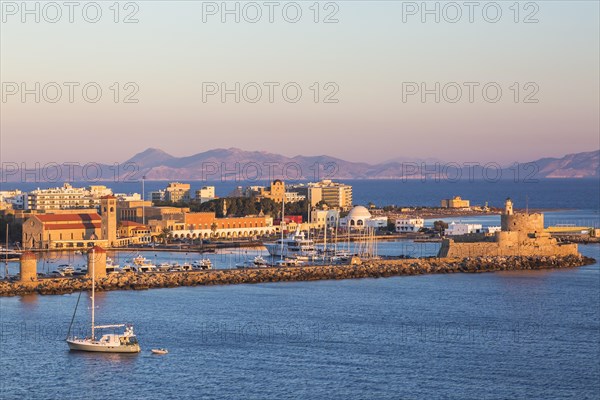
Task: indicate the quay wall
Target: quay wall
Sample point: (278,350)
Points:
(370,269)
(506,248)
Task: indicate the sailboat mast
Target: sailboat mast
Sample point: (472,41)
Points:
(6,255)
(282,223)
(325,238)
(93,291)
(309,211)
(336,236)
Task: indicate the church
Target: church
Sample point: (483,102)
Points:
(85,228)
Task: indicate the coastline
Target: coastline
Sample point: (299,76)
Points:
(369,269)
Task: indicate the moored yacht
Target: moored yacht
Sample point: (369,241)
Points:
(140,260)
(295,245)
(204,263)
(7,254)
(258,262)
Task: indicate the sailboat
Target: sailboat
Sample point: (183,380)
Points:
(108,343)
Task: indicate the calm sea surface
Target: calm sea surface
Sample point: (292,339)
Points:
(548,193)
(462,336)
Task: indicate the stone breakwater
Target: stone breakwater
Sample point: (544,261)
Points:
(370,269)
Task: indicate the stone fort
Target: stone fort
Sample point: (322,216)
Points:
(521,234)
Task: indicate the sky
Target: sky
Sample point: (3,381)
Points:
(367,79)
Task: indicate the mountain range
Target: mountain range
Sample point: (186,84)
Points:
(233,163)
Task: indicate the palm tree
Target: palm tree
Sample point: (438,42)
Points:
(164,235)
(213,228)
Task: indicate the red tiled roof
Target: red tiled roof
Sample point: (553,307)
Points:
(69,217)
(130,223)
(88,225)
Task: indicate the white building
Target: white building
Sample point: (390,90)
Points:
(377,222)
(320,218)
(158,195)
(294,197)
(493,229)
(128,196)
(13,197)
(206,193)
(409,224)
(357,218)
(64,197)
(455,229)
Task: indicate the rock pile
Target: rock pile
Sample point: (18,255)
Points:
(368,269)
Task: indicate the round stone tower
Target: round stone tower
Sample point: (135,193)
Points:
(98,255)
(28,267)
(524,223)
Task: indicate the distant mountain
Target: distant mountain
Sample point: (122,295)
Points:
(579,165)
(236,164)
(150,157)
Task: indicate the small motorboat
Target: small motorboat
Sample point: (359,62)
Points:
(160,351)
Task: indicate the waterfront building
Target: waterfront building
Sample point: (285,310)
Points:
(64,197)
(455,202)
(46,231)
(204,225)
(318,219)
(335,195)
(136,232)
(493,229)
(81,229)
(409,224)
(455,229)
(377,222)
(357,218)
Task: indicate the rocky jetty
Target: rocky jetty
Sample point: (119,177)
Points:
(369,269)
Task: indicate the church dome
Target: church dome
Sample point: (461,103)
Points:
(359,212)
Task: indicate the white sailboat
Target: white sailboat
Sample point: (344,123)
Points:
(108,343)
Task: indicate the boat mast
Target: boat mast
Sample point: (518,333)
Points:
(282,223)
(143,201)
(93,290)
(6,254)
(335,250)
(325,238)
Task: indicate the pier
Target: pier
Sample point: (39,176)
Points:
(368,269)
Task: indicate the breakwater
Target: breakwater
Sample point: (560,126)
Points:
(369,269)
